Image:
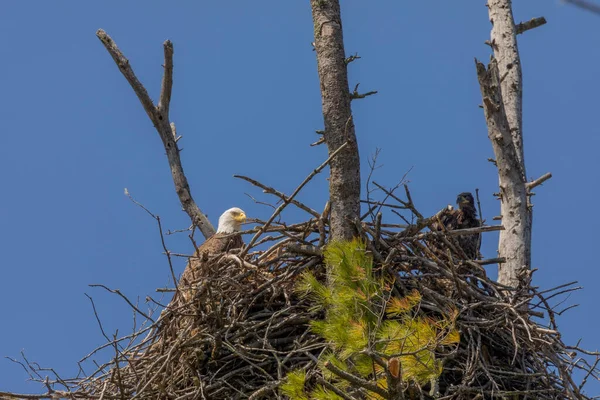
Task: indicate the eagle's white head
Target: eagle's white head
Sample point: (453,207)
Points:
(231,220)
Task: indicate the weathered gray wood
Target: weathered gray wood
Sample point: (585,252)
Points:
(344,181)
(502,90)
(159,116)
(515,241)
(506,52)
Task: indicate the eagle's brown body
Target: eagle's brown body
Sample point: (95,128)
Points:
(462,218)
(216,244)
(220,243)
(227,238)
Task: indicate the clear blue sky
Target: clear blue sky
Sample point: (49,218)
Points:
(246,100)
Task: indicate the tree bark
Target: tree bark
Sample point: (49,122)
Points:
(344,181)
(506,52)
(515,240)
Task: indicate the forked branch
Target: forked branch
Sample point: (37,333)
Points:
(159,115)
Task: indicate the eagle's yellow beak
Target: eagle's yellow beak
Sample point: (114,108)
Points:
(241,217)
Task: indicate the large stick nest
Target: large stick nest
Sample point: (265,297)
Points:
(238,328)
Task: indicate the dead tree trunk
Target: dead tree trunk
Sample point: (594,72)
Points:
(502,91)
(344,181)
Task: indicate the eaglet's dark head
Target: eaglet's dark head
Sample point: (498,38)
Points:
(465,199)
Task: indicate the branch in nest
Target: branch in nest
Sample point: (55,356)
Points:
(489,261)
(305,249)
(291,198)
(270,190)
(372,386)
(456,232)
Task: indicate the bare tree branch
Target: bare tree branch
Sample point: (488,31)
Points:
(159,116)
(344,181)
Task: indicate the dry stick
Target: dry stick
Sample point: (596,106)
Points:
(305,249)
(117,291)
(457,232)
(490,261)
(372,386)
(290,198)
(97,317)
(334,389)
(160,118)
(162,236)
(322,221)
(54,395)
(480,238)
(407,204)
(282,196)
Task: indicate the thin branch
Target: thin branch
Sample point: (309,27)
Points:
(490,261)
(270,190)
(117,291)
(167,252)
(356,380)
(289,199)
(97,317)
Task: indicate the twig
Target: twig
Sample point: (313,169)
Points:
(270,190)
(490,261)
(304,249)
(355,95)
(117,291)
(167,252)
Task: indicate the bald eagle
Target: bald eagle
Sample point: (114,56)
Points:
(226,238)
(463,218)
